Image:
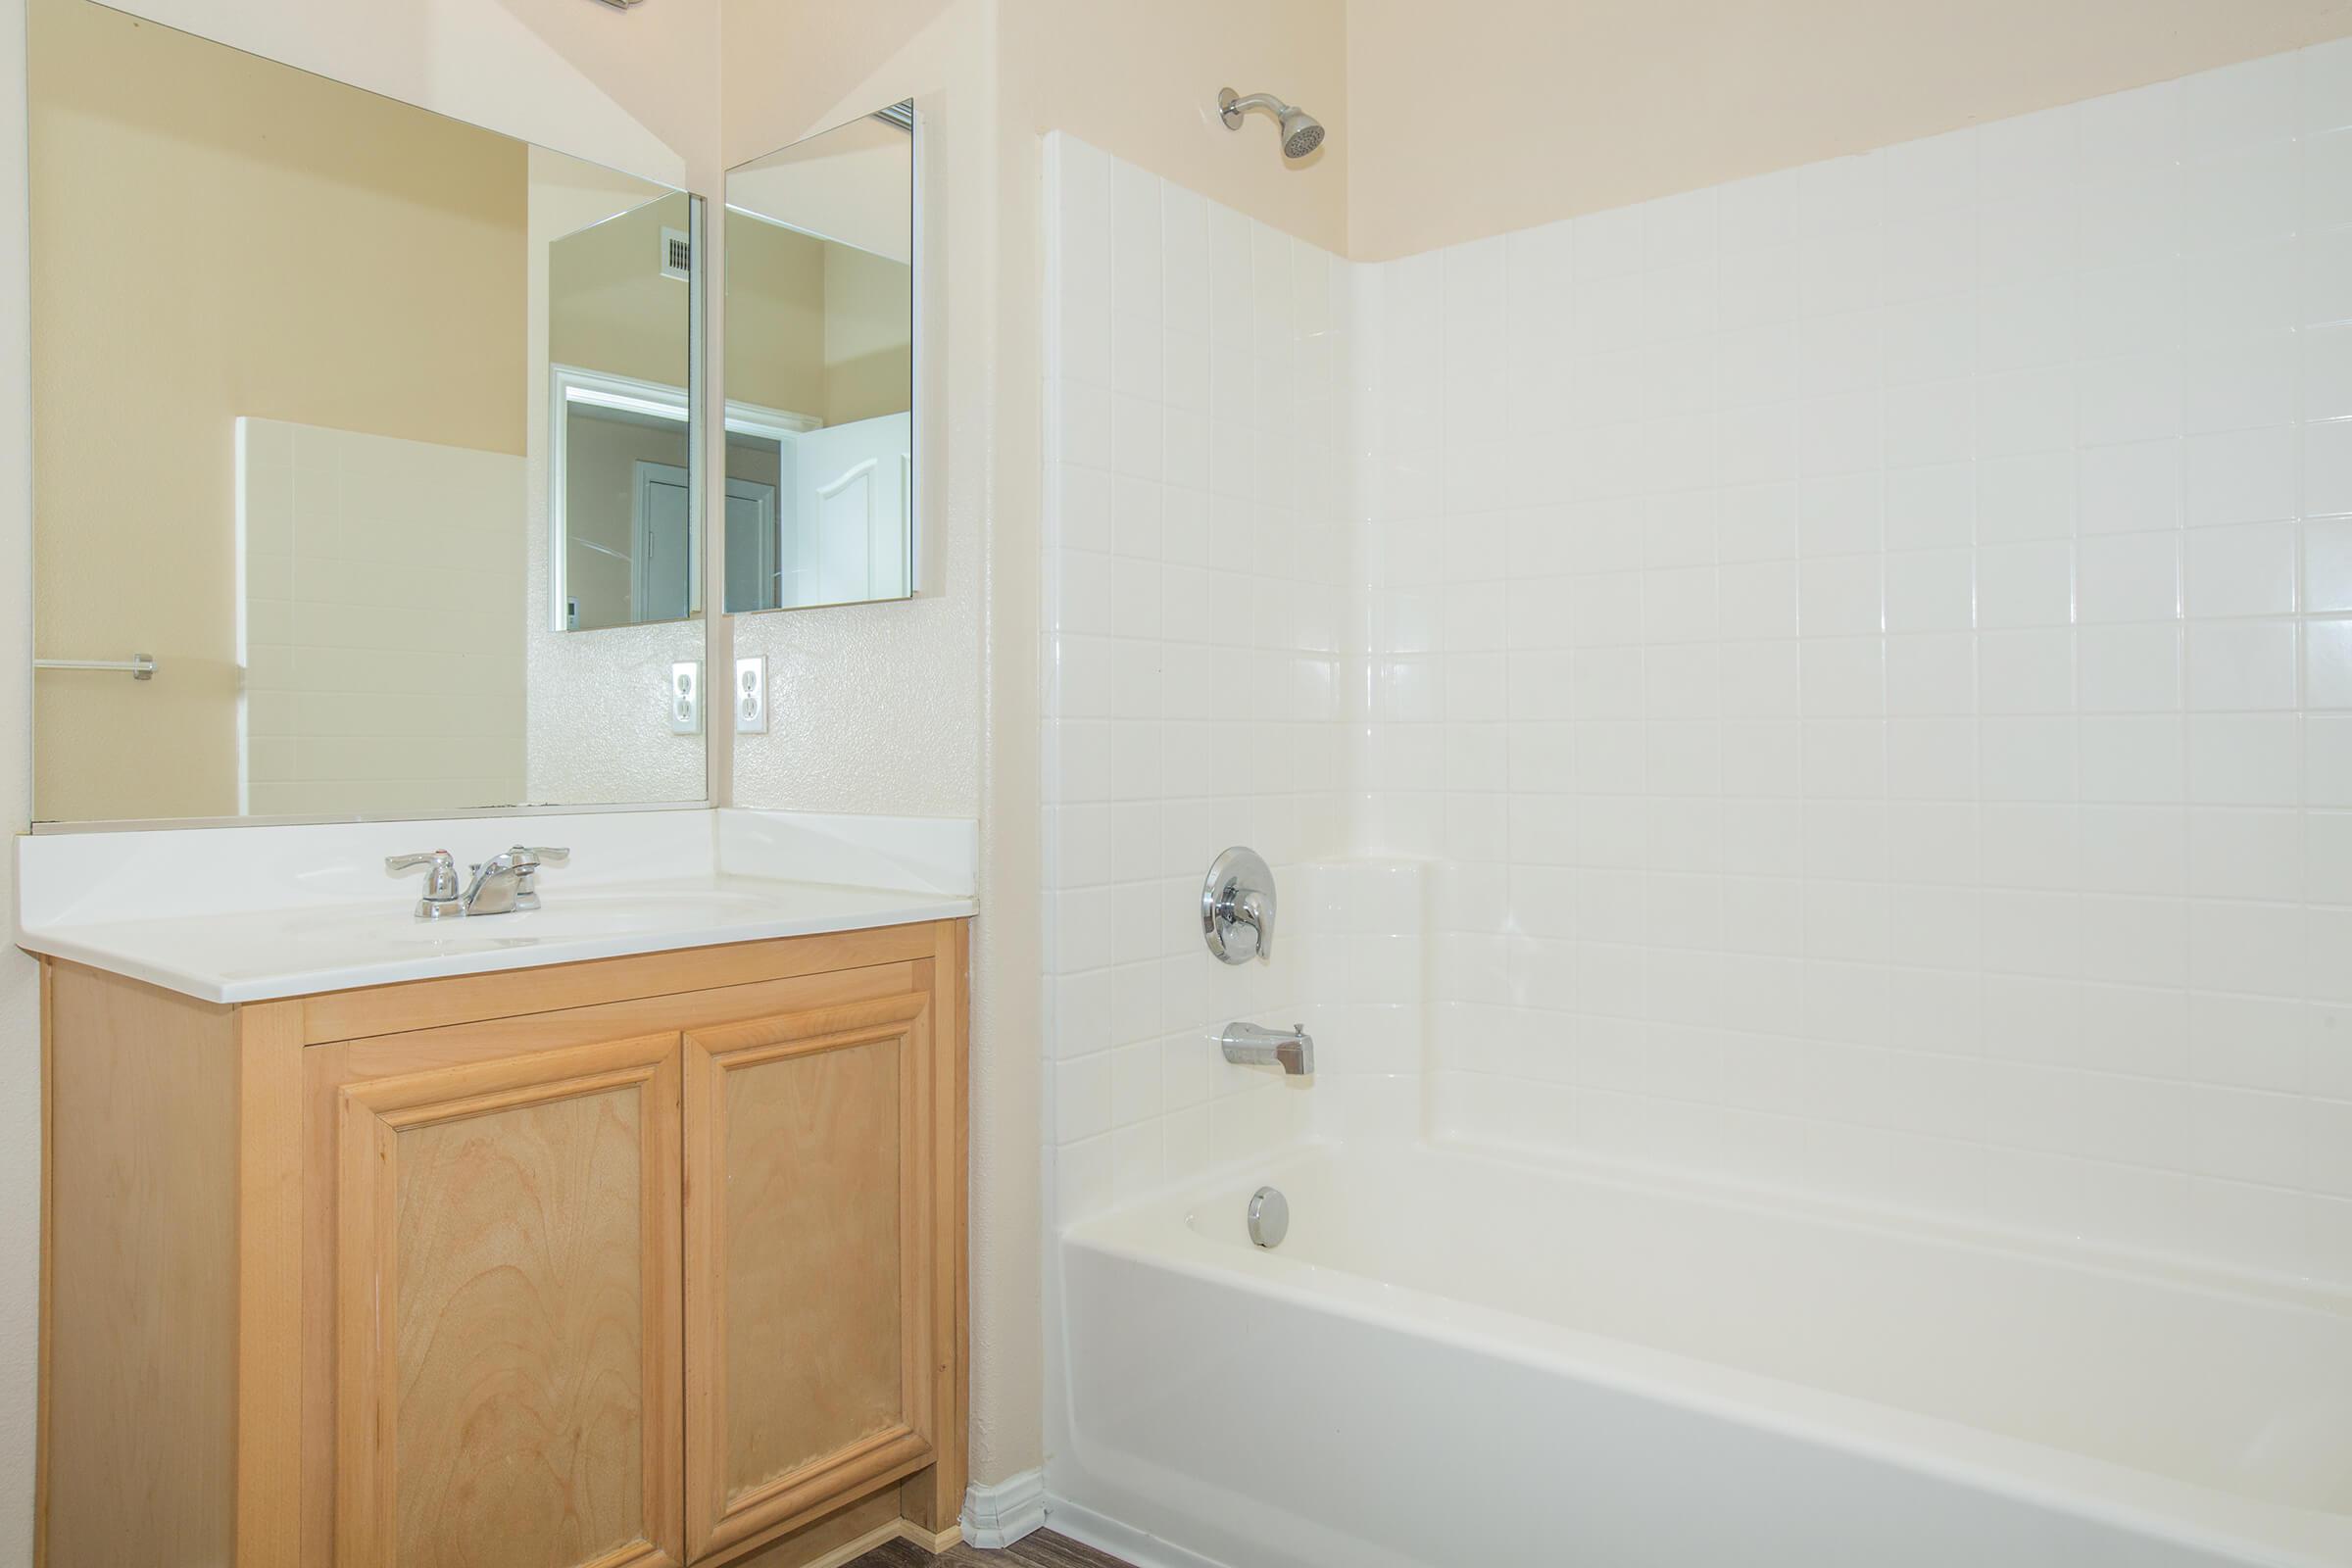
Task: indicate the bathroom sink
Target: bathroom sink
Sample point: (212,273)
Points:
(567,916)
(237,917)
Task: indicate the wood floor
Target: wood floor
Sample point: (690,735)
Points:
(1041,1550)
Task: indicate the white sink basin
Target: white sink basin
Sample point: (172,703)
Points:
(564,917)
(252,913)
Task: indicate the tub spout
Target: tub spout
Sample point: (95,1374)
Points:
(1293,1050)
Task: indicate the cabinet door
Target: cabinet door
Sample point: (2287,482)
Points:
(508,1345)
(809,1273)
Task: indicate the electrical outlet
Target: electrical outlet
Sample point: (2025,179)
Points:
(750,695)
(686,696)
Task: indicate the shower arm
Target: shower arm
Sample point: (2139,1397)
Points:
(1231,112)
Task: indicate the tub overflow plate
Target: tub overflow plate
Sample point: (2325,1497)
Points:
(1269,1218)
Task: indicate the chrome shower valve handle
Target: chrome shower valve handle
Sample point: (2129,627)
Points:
(1237,906)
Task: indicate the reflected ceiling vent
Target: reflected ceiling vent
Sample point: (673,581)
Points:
(900,113)
(678,251)
(622,5)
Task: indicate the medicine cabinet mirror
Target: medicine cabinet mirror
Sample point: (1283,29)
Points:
(364,474)
(821,261)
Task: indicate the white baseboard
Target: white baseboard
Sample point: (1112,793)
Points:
(1091,1529)
(1001,1514)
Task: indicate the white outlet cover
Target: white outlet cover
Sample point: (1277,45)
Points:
(750,695)
(686,696)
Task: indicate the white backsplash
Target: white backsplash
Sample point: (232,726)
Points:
(1863,653)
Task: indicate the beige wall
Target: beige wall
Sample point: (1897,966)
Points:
(609,306)
(869,348)
(776,317)
(634,94)
(1485,116)
(848,184)
(19,985)
(1141,81)
(324,230)
(814,327)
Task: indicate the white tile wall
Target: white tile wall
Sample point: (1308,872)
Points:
(378,679)
(1198,557)
(1869,649)
(1858,662)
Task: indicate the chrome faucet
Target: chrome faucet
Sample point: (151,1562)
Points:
(1293,1050)
(504,884)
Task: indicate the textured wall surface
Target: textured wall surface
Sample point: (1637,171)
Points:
(597,702)
(879,706)
(1869,648)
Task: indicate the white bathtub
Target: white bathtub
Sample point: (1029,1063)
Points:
(1459,1361)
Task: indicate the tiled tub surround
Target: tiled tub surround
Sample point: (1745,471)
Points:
(1865,653)
(1199,562)
(370,686)
(1871,650)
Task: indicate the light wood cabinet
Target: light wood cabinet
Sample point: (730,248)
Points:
(809,1265)
(507,1336)
(641,1263)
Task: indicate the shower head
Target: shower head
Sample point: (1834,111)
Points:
(1301,133)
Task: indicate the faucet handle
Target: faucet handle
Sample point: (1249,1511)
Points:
(1237,906)
(528,859)
(440,882)
(438,860)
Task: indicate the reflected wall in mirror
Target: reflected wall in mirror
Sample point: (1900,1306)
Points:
(619,447)
(821,253)
(294,350)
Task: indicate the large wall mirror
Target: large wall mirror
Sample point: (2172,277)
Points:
(364,464)
(821,254)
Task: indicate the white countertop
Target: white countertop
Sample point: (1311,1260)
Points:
(247,915)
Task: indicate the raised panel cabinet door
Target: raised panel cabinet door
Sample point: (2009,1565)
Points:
(809,1277)
(508,1346)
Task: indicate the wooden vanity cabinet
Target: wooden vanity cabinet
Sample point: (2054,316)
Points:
(638,1264)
